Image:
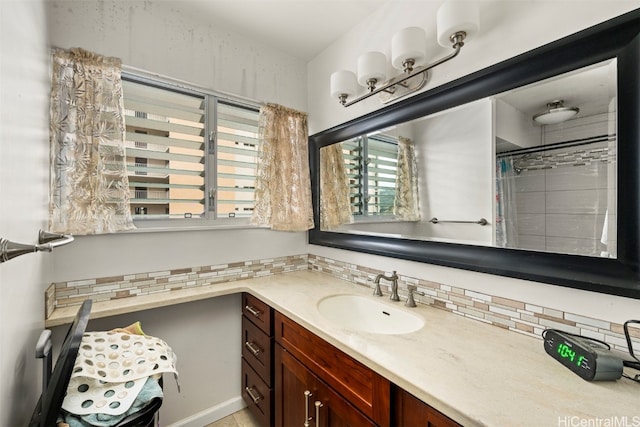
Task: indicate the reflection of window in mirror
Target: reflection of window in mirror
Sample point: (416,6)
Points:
(371,163)
(368,169)
(556,164)
(379,174)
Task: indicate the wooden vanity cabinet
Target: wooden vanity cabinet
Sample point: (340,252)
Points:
(257,358)
(350,393)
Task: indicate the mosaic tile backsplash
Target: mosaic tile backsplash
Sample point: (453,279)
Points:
(109,288)
(516,316)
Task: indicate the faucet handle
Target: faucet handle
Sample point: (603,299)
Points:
(410,301)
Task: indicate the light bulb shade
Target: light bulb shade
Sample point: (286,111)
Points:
(372,65)
(343,82)
(409,43)
(455,16)
(556,113)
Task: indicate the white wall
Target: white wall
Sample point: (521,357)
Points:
(508,28)
(162,38)
(455,170)
(514,129)
(24,158)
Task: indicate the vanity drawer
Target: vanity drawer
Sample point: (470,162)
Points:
(257,394)
(258,312)
(257,349)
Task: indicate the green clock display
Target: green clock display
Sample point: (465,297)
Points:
(567,352)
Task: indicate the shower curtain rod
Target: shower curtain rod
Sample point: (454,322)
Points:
(564,144)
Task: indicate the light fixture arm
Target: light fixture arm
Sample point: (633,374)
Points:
(458,41)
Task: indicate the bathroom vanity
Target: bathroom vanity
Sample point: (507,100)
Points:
(315,382)
(451,371)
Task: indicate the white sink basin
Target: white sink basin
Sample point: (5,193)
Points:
(366,314)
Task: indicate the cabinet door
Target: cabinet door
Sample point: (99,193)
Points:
(304,400)
(332,410)
(409,411)
(295,390)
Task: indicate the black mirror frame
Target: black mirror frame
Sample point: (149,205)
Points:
(616,38)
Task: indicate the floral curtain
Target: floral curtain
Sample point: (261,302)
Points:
(335,204)
(89,191)
(406,205)
(283,184)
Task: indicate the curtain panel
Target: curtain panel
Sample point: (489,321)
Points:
(283,183)
(335,203)
(506,210)
(89,191)
(406,204)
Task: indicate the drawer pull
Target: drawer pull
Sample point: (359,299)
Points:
(251,309)
(318,406)
(252,348)
(307,395)
(255,397)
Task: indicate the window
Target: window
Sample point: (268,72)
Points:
(191,155)
(371,164)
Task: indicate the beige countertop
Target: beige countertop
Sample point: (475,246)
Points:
(477,374)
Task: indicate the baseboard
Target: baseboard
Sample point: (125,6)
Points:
(212,414)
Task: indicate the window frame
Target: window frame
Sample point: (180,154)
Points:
(211,100)
(361,214)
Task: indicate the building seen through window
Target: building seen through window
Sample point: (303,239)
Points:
(190,155)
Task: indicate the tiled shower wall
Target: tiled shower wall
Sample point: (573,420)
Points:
(516,316)
(564,195)
(561,201)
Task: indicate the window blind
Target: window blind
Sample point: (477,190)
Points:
(237,154)
(382,157)
(371,164)
(165,143)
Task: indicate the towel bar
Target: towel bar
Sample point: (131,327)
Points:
(481,221)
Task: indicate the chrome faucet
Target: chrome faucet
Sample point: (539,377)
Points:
(394,286)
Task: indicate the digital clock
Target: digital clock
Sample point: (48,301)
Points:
(590,359)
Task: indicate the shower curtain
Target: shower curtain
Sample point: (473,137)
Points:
(506,212)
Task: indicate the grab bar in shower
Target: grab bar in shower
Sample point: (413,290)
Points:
(481,221)
(46,243)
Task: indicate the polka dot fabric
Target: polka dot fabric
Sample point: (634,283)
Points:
(111,369)
(90,396)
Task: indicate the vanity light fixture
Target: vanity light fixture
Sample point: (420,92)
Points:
(456,20)
(556,112)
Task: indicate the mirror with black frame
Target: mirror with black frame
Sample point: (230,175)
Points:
(565,190)
(493,172)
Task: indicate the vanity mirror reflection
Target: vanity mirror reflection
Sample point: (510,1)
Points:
(488,173)
(559,197)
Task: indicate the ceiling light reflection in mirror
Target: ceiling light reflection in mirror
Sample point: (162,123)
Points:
(541,187)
